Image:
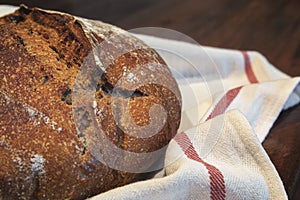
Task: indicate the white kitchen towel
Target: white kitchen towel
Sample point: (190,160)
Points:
(220,80)
(230,101)
(236,168)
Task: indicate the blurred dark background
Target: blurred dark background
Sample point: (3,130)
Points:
(270,27)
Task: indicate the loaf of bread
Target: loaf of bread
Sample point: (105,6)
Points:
(84,106)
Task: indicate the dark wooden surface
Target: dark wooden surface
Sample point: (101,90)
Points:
(270,27)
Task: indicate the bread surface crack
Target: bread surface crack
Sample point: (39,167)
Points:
(67,96)
(109,90)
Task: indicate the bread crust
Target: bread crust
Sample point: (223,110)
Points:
(43,152)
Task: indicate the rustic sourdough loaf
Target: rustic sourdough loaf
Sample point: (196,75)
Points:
(50,147)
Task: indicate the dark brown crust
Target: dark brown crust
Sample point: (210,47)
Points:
(42,154)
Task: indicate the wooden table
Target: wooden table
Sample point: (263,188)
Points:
(270,27)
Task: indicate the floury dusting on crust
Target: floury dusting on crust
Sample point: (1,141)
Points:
(37,164)
(34,115)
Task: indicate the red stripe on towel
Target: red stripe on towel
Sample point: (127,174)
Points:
(248,68)
(217,183)
(226,100)
(223,104)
